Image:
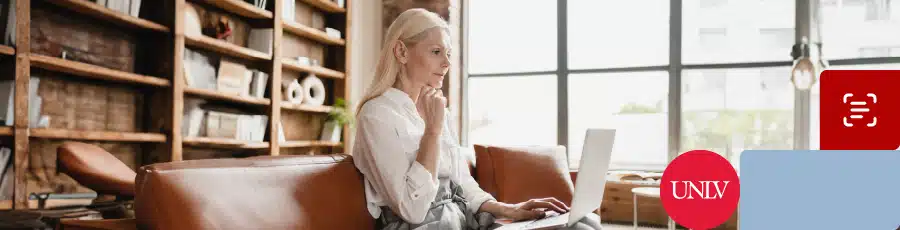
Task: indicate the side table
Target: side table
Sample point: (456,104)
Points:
(652,192)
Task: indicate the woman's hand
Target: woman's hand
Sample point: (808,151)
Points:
(431,104)
(533,209)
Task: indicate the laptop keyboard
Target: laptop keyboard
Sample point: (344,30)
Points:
(551,219)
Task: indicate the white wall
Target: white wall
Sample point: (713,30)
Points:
(364,47)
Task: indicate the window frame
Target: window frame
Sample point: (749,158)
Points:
(802,100)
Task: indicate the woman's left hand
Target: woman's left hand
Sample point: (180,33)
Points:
(534,209)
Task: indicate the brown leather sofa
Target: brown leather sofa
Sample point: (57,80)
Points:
(304,192)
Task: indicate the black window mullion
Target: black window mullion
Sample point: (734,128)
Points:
(675,67)
(562,74)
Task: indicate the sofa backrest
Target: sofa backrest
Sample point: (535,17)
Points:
(517,174)
(285,192)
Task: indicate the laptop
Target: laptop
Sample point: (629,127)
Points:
(595,158)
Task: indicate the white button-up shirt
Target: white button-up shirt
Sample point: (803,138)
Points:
(388,133)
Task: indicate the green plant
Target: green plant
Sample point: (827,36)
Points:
(340,113)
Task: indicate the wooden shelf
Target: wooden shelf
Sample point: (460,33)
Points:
(51,203)
(319,71)
(225,48)
(93,71)
(301,144)
(94,10)
(7,50)
(311,33)
(212,94)
(307,108)
(223,143)
(97,135)
(240,7)
(6,131)
(326,5)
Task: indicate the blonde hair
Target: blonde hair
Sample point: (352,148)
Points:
(409,27)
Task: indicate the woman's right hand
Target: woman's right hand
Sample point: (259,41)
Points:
(431,104)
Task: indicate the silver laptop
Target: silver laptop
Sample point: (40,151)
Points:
(595,157)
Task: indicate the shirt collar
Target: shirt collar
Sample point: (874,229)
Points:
(400,97)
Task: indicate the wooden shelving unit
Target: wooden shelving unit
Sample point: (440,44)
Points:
(317,70)
(7,50)
(223,143)
(92,71)
(327,6)
(314,34)
(303,144)
(6,131)
(239,7)
(163,91)
(102,13)
(307,108)
(97,135)
(215,95)
(225,48)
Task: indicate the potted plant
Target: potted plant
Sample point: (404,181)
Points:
(337,118)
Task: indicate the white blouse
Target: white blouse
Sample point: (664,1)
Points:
(388,133)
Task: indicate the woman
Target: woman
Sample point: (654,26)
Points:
(415,177)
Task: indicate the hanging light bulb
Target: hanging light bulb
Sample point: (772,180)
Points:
(809,62)
(803,74)
(808,65)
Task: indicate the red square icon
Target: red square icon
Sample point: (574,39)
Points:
(859,110)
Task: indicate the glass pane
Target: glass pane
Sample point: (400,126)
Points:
(513,110)
(722,31)
(505,40)
(731,110)
(621,33)
(815,102)
(860,28)
(634,103)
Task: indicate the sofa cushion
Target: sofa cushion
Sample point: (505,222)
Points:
(288,192)
(517,174)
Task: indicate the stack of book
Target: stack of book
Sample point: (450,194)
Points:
(230,77)
(129,7)
(205,120)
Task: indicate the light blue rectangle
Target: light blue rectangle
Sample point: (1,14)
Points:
(819,189)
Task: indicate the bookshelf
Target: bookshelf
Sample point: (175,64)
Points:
(7,50)
(92,71)
(157,82)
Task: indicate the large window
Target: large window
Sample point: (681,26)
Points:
(545,71)
(633,103)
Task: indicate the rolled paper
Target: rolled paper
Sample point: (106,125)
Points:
(314,90)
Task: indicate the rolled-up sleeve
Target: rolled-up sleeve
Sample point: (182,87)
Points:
(407,187)
(472,192)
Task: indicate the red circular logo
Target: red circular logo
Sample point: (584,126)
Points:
(700,189)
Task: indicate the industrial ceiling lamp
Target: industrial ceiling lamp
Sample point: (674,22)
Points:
(808,59)
(807,67)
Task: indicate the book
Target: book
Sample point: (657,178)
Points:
(8,94)
(261,40)
(135,8)
(233,78)
(199,71)
(7,174)
(258,84)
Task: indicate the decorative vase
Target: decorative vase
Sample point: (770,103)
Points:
(331,131)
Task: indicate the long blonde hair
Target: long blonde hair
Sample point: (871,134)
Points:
(409,27)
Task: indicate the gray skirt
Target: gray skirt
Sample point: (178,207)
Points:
(448,211)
